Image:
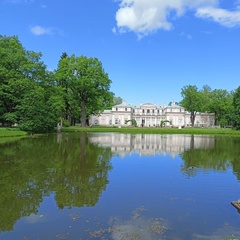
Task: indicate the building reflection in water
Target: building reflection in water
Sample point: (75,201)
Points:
(151,144)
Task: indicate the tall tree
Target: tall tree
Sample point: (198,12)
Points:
(205,93)
(13,77)
(89,84)
(63,75)
(236,111)
(43,114)
(192,101)
(28,93)
(221,103)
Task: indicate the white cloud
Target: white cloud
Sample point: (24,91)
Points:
(222,16)
(38,30)
(146,16)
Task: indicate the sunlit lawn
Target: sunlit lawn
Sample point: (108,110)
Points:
(154,130)
(15,132)
(11,132)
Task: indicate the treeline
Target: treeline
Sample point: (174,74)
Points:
(225,105)
(36,99)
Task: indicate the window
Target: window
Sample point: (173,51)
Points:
(148,111)
(153,111)
(126,109)
(110,122)
(133,111)
(116,109)
(143,110)
(116,121)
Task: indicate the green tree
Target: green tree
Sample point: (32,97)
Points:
(132,121)
(13,77)
(42,115)
(205,93)
(192,101)
(88,85)
(117,100)
(221,103)
(236,109)
(28,92)
(71,111)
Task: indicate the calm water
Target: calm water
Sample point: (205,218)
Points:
(120,187)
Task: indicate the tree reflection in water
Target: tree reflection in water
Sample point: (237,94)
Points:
(74,168)
(30,169)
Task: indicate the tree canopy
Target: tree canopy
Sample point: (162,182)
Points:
(236,109)
(36,99)
(117,100)
(191,101)
(217,101)
(86,85)
(28,95)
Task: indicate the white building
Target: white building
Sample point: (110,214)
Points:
(150,115)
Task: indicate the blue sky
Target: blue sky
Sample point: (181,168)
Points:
(149,48)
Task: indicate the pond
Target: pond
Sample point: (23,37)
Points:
(113,186)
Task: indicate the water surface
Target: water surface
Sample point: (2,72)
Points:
(119,186)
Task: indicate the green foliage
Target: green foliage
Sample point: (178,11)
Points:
(85,84)
(162,123)
(192,101)
(19,70)
(198,131)
(236,110)
(28,95)
(11,132)
(43,114)
(217,101)
(65,123)
(117,100)
(221,103)
(133,121)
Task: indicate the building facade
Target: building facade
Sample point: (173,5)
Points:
(151,115)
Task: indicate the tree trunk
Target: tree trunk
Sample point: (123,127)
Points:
(83,115)
(192,117)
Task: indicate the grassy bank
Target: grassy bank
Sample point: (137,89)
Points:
(14,132)
(198,131)
(11,132)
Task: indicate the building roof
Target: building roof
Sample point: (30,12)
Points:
(150,105)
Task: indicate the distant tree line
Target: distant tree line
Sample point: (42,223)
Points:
(225,105)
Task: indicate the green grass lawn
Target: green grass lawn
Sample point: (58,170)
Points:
(199,131)
(15,132)
(11,132)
